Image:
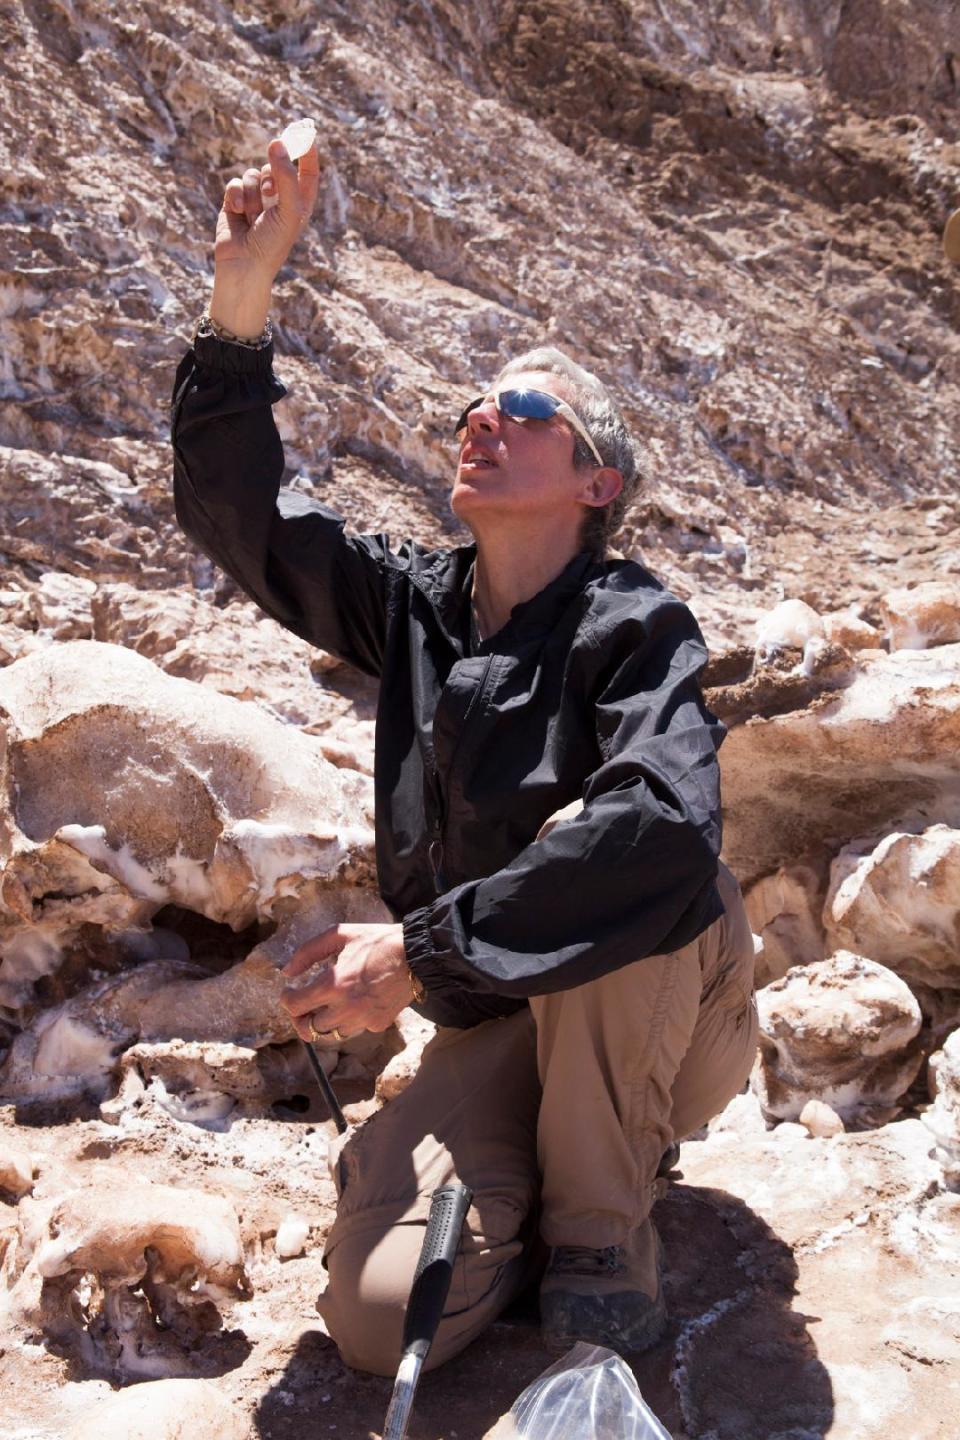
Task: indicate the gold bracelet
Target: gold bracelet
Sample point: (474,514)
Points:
(210,329)
(418,988)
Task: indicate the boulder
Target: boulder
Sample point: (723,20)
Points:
(163,1410)
(843,1031)
(855,761)
(784,911)
(16,1170)
(898,901)
(788,626)
(124,792)
(923,615)
(849,629)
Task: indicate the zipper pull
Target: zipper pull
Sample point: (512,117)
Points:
(435,854)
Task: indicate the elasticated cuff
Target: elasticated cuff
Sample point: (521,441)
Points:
(223,357)
(419,950)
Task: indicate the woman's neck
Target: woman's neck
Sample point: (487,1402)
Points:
(506,574)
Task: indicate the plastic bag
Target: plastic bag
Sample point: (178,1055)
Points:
(590,1394)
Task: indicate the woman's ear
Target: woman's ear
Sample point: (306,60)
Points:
(600,486)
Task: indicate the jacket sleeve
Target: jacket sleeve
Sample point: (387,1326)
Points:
(289,553)
(634,873)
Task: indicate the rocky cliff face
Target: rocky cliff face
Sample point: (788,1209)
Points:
(732,213)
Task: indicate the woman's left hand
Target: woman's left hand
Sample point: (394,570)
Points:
(363,986)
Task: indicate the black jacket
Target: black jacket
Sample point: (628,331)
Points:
(589,691)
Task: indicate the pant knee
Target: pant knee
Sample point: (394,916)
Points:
(370,1277)
(365,1300)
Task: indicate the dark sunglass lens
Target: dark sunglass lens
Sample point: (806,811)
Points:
(462,422)
(528,404)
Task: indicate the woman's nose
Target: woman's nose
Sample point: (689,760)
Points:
(484,417)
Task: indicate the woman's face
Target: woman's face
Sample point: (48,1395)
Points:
(521,467)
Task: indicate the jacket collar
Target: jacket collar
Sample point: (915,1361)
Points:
(449,584)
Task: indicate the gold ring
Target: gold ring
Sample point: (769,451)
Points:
(333,1034)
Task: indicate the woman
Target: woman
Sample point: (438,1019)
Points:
(547,828)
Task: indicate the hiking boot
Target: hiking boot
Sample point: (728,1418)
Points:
(610,1296)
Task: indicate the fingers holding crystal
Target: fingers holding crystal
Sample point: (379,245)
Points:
(268,187)
(233,196)
(252,203)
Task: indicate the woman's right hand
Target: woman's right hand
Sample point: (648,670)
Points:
(252,242)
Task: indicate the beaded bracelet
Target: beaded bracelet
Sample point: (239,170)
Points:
(210,329)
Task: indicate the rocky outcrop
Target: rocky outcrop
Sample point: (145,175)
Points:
(648,188)
(867,758)
(843,1031)
(784,911)
(127,796)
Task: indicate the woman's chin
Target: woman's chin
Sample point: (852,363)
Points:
(467,499)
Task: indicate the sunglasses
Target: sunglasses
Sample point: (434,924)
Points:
(532,405)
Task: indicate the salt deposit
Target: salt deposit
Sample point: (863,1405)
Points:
(291,1236)
(792,623)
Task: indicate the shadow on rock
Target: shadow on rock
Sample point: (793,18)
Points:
(737,1362)
(317,1390)
(126,1342)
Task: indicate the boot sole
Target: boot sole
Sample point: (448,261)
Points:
(567,1318)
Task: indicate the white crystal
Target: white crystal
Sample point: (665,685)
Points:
(298,137)
(292,1236)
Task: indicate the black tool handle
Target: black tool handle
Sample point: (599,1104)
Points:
(431,1280)
(326,1089)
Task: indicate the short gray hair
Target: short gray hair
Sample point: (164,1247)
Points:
(606,427)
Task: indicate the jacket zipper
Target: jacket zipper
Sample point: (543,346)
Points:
(435,851)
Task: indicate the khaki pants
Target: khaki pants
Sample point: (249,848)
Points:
(556,1118)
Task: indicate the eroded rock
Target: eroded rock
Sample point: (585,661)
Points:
(790,625)
(291,1236)
(820,1120)
(16,1170)
(126,792)
(855,761)
(784,910)
(133,1277)
(898,901)
(922,615)
(843,1031)
(848,628)
(943,1116)
(163,1410)
(234,649)
(759,189)
(415,1032)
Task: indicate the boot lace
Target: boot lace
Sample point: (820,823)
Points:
(581,1260)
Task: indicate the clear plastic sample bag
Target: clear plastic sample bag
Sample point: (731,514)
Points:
(590,1394)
